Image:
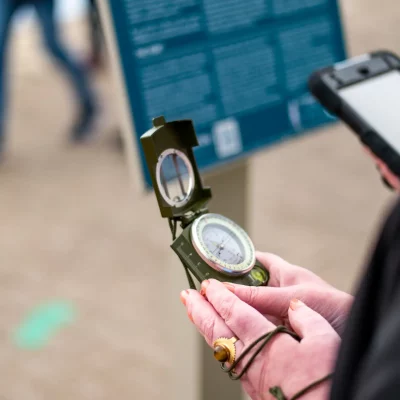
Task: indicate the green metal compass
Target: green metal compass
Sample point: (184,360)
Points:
(210,246)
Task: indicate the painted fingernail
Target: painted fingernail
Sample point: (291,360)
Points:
(184,296)
(204,287)
(295,304)
(230,287)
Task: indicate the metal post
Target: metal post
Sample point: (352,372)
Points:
(196,375)
(229,188)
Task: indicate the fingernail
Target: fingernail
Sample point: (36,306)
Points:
(229,286)
(184,296)
(204,287)
(295,304)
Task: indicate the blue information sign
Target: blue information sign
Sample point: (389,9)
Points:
(237,68)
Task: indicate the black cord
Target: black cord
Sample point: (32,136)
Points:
(188,276)
(173,224)
(278,393)
(275,391)
(312,386)
(190,279)
(265,338)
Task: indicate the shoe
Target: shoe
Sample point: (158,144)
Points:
(85,124)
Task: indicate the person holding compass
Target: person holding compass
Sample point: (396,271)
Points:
(318,342)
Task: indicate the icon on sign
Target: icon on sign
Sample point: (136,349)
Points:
(227,138)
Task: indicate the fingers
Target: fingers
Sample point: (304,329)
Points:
(274,265)
(384,170)
(267,300)
(211,325)
(390,177)
(247,323)
(204,316)
(284,274)
(307,323)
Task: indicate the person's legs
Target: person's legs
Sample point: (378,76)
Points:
(96,37)
(7,8)
(78,75)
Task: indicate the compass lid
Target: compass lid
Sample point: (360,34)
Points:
(168,149)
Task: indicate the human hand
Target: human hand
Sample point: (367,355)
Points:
(284,361)
(384,170)
(289,282)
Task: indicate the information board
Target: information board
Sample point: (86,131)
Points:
(237,68)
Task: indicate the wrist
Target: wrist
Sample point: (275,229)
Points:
(314,389)
(321,392)
(346,302)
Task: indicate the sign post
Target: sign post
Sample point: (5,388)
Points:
(230,196)
(239,70)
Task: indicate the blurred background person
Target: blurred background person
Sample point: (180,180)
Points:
(96,60)
(77,74)
(97,56)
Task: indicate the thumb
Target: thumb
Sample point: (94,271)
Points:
(266,300)
(306,322)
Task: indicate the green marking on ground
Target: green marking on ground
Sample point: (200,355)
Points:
(42,324)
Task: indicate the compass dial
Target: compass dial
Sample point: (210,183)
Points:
(223,244)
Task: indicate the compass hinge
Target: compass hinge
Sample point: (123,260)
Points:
(191,216)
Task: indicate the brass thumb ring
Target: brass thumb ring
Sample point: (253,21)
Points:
(225,349)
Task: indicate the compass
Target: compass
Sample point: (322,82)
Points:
(210,245)
(223,244)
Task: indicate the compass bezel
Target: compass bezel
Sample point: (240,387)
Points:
(213,261)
